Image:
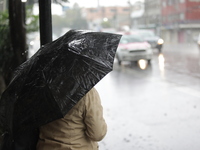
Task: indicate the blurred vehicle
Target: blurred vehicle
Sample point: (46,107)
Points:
(149,36)
(198,41)
(133,48)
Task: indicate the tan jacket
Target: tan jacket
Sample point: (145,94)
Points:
(80,129)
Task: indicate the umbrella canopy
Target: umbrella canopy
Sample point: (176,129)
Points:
(51,82)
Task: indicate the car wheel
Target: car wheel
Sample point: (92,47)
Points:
(134,62)
(160,50)
(119,61)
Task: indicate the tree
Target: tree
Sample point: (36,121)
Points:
(13,48)
(106,24)
(78,21)
(58,23)
(74,18)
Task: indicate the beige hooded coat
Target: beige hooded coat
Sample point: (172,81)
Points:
(80,129)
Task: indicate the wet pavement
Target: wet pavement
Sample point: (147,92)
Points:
(157,108)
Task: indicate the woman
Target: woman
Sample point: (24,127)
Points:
(80,129)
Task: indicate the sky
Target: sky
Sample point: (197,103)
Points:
(94,3)
(57,9)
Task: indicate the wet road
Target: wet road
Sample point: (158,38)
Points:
(157,108)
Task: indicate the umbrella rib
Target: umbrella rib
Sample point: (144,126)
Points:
(72,100)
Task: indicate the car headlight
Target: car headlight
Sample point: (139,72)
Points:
(31,43)
(160,41)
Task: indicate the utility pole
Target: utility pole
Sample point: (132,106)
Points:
(45,21)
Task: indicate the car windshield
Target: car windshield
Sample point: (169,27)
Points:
(146,33)
(130,39)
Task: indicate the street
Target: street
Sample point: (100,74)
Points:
(157,108)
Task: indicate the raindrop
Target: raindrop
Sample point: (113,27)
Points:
(149,136)
(126,140)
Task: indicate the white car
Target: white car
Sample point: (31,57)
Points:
(132,48)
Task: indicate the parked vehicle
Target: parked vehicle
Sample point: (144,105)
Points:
(149,36)
(133,48)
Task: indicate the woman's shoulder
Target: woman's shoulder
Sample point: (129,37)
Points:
(93,92)
(92,98)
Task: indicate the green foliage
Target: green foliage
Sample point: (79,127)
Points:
(32,21)
(58,22)
(74,19)
(79,23)
(6,52)
(106,24)
(59,1)
(4,17)
(5,41)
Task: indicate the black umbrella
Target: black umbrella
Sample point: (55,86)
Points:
(52,81)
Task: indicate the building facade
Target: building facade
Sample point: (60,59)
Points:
(117,16)
(151,16)
(176,21)
(180,20)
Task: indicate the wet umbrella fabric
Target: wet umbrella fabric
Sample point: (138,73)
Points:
(52,81)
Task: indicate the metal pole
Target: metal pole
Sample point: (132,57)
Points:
(45,21)
(24,12)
